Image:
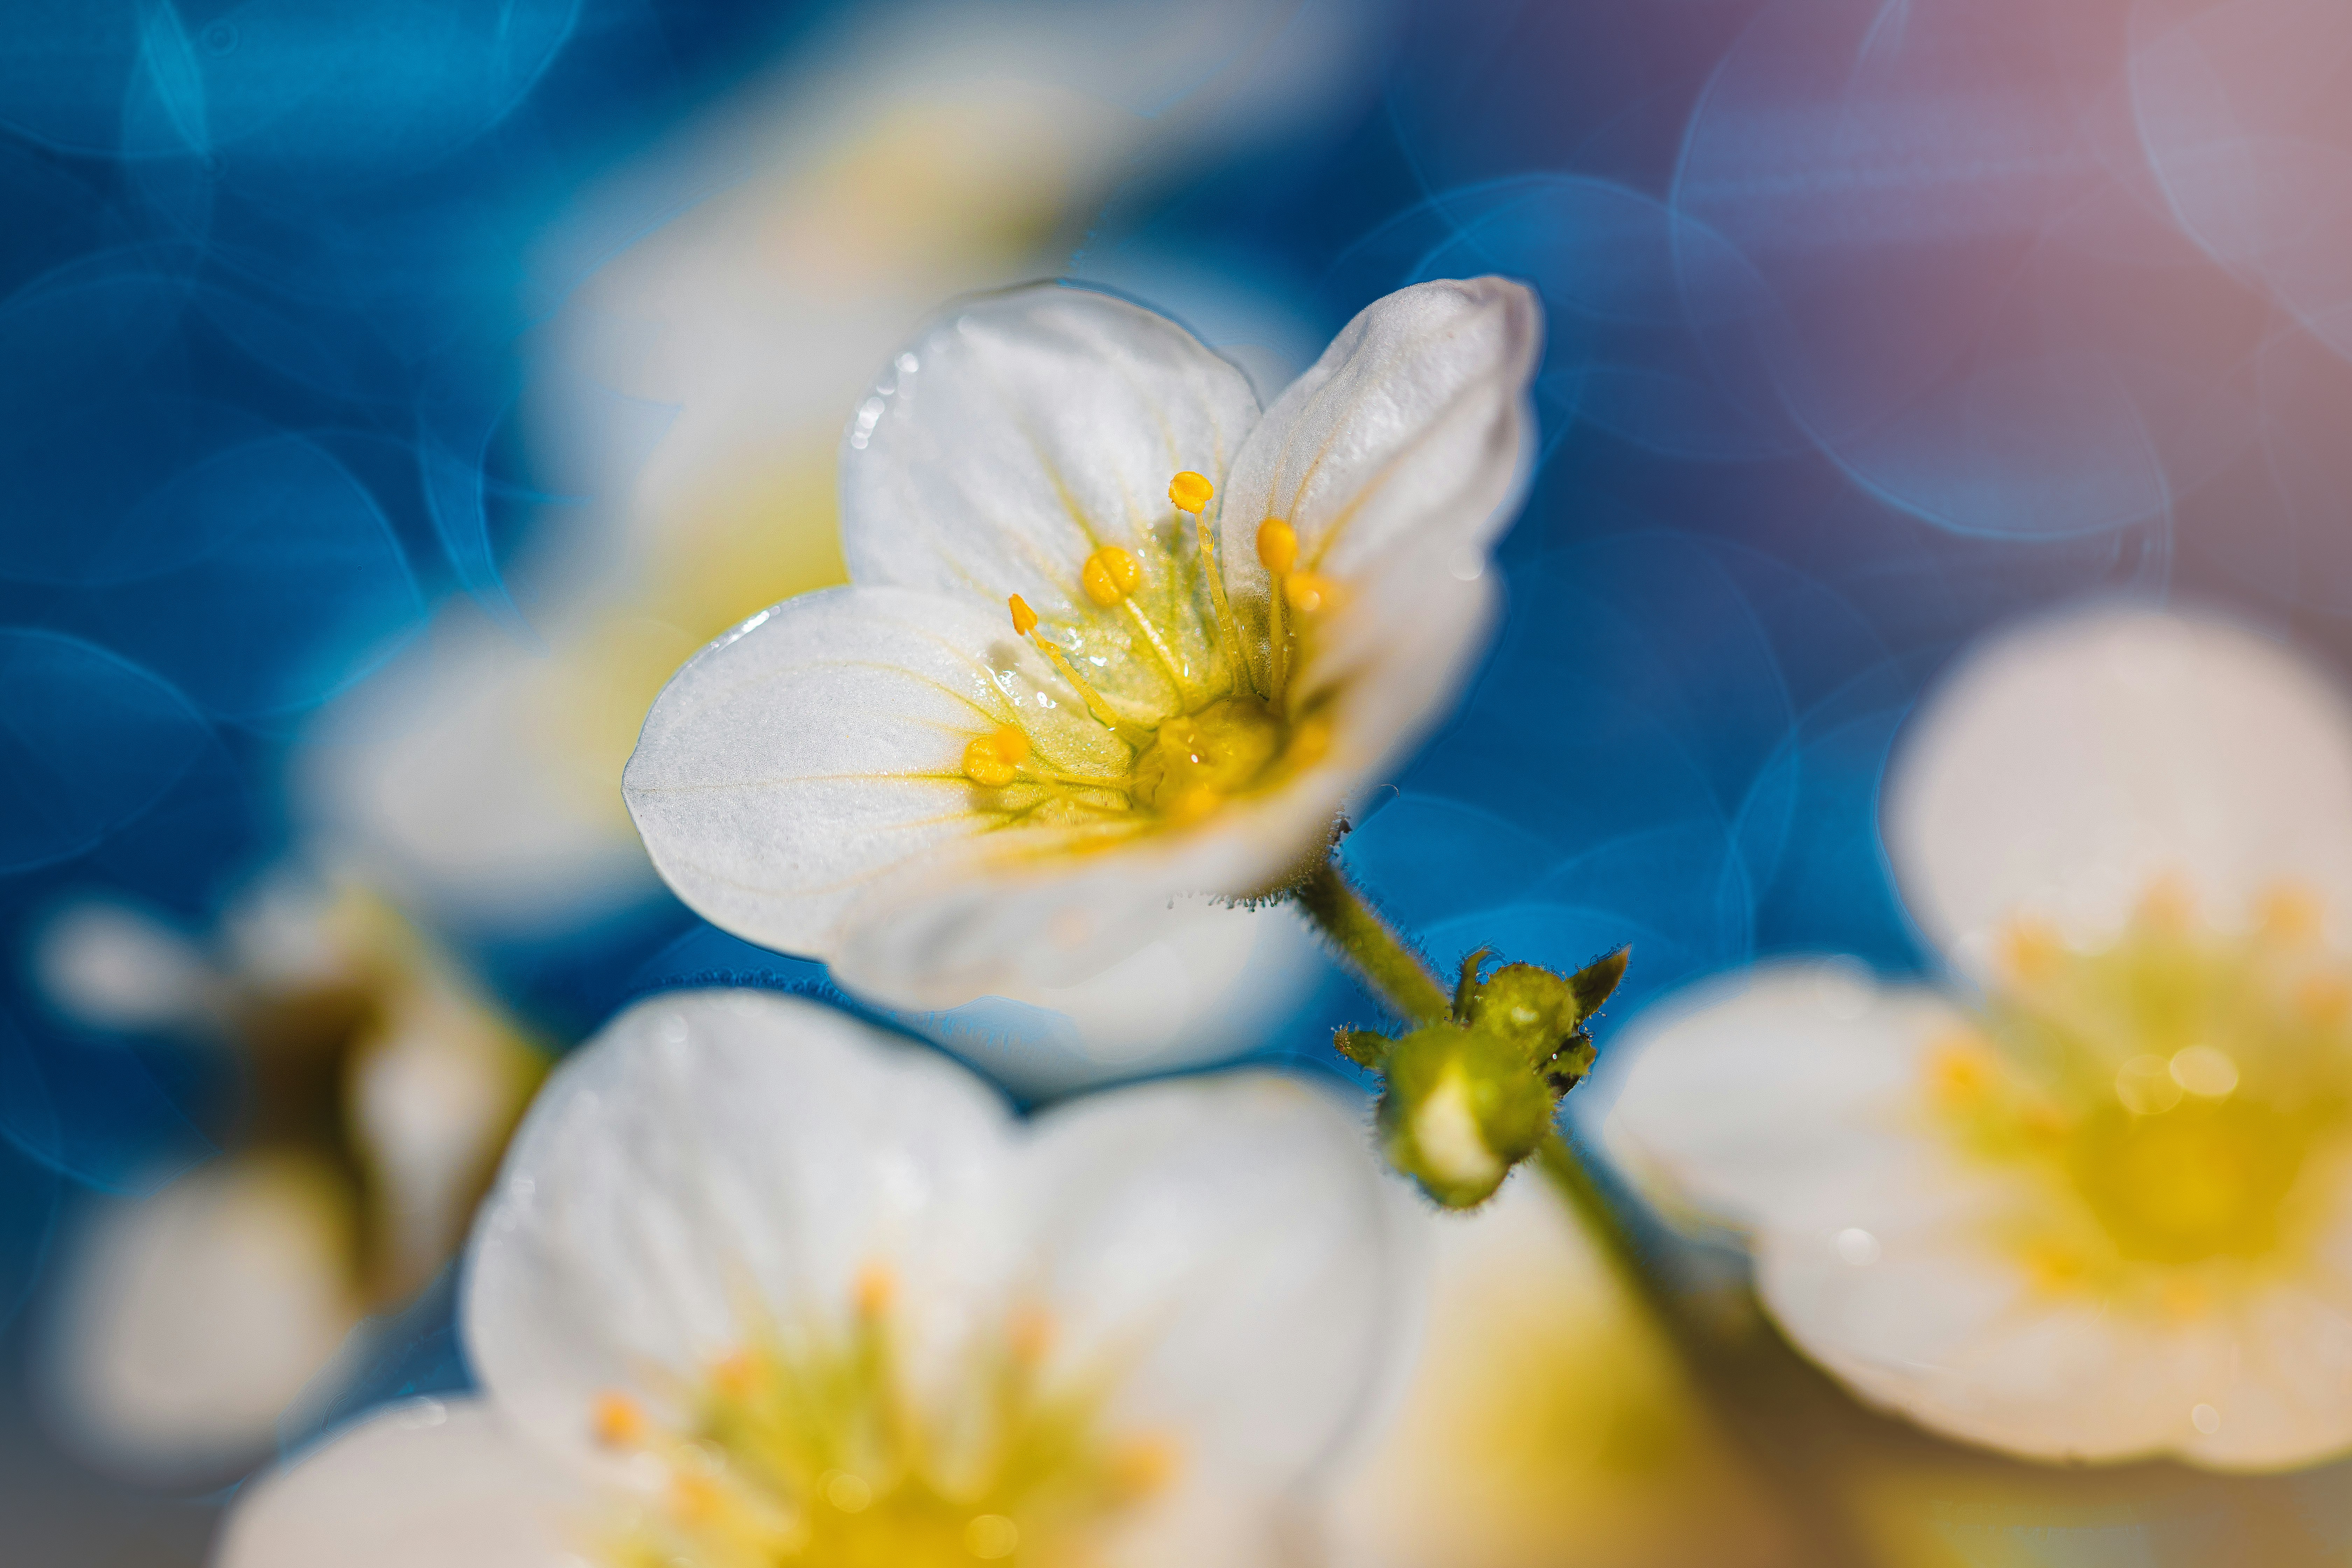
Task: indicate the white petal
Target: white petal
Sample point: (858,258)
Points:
(1229,1246)
(2066,765)
(432,1096)
(1762,1098)
(820,747)
(1509,1448)
(1022,430)
(712,1154)
(417,1483)
(115,967)
(1411,436)
(190,1322)
(1210,985)
(1942,1329)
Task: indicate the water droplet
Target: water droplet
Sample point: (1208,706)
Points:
(2145,1085)
(1857,1247)
(2202,1071)
(2205,1419)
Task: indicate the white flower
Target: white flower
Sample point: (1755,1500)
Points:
(695,384)
(2095,1200)
(757,1281)
(1543,1422)
(186,1324)
(939,798)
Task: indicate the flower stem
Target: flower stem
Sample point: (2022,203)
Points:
(1373,945)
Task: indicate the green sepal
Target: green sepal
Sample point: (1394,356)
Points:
(1596,981)
(1362,1047)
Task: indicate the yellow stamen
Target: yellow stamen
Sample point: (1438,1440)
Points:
(1143,1466)
(1308,594)
(1025,624)
(1277,546)
(1029,1334)
(1191,491)
(617,1421)
(2290,914)
(875,1287)
(1109,575)
(1961,1070)
(994,759)
(2167,907)
(2031,950)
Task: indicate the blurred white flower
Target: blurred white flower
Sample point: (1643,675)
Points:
(188,1323)
(758,1284)
(2096,1200)
(1220,627)
(699,379)
(1544,1425)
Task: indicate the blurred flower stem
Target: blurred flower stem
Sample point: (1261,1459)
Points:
(1736,1367)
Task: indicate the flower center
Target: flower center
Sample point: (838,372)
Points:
(811,1452)
(2181,1094)
(1157,658)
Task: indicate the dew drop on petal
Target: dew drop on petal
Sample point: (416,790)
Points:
(2204,1071)
(1857,1247)
(2205,1419)
(2145,1085)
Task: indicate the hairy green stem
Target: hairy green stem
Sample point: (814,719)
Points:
(1373,945)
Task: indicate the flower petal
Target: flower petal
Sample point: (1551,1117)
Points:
(1227,1249)
(820,746)
(1509,1446)
(190,1322)
(1022,431)
(1764,1098)
(2065,766)
(414,1483)
(1411,434)
(712,1159)
(1212,984)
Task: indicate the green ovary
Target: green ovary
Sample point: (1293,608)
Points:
(1200,758)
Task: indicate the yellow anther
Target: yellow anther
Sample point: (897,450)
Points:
(1191,491)
(1025,619)
(1308,594)
(1961,1071)
(735,1374)
(1277,545)
(994,759)
(2031,948)
(1029,1334)
(617,1421)
(696,1498)
(2167,907)
(1109,575)
(1143,1466)
(875,1287)
(2290,914)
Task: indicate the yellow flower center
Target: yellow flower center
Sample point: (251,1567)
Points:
(1180,717)
(808,1451)
(2184,1096)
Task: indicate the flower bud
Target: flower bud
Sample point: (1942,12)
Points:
(1462,1106)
